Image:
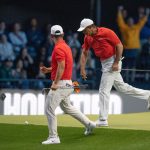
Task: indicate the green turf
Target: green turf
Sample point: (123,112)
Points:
(29,137)
(138,121)
(126,132)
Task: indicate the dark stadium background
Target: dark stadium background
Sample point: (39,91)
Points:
(68,13)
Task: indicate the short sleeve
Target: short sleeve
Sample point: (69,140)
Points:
(60,55)
(113,38)
(86,44)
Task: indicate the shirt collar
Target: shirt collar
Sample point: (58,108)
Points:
(60,41)
(98,33)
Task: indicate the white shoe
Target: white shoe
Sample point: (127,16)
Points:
(102,123)
(52,140)
(148,105)
(90,128)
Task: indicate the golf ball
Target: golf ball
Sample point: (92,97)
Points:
(26,122)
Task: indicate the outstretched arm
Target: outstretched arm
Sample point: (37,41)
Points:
(143,20)
(119,51)
(120,20)
(46,69)
(83,60)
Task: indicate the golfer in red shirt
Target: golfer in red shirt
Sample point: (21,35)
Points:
(61,74)
(108,48)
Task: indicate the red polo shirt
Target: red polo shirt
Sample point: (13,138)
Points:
(103,43)
(62,52)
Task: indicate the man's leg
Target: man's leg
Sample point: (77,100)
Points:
(107,80)
(125,88)
(67,107)
(53,100)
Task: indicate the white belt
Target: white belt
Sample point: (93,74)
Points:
(64,82)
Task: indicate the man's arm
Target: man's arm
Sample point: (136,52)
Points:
(83,60)
(59,73)
(45,69)
(120,20)
(143,20)
(119,51)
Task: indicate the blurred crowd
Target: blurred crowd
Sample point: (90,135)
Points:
(135,35)
(24,49)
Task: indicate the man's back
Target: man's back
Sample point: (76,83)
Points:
(62,52)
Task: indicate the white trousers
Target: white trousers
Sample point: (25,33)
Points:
(113,78)
(110,79)
(61,97)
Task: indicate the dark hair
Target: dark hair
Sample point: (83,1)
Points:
(57,36)
(92,25)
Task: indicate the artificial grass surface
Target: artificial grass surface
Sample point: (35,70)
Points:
(29,137)
(137,121)
(15,135)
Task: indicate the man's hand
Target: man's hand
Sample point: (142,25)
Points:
(115,66)
(83,61)
(45,69)
(83,74)
(54,86)
(120,8)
